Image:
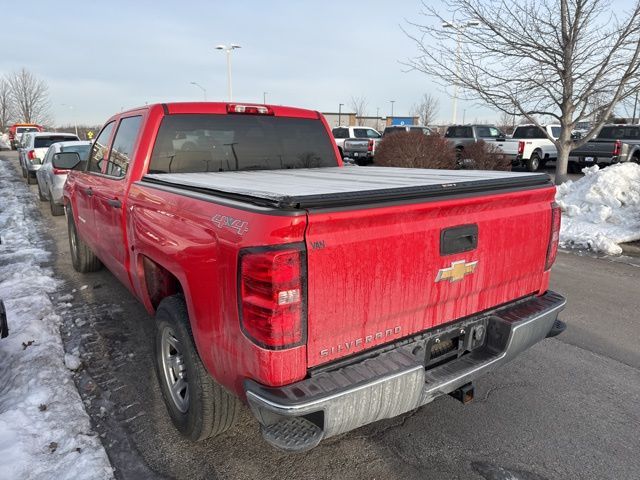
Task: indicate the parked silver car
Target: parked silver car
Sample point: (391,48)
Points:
(34,146)
(51,180)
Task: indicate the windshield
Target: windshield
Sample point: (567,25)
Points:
(218,143)
(26,129)
(45,142)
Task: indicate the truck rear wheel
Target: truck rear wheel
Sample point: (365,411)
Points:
(197,405)
(533,164)
(82,258)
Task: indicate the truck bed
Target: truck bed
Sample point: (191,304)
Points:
(341,186)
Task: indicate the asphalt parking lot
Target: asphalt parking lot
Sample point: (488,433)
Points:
(566,409)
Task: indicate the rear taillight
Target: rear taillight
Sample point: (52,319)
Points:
(59,171)
(249,109)
(31,155)
(554,236)
(272,297)
(520,147)
(617,146)
(370,146)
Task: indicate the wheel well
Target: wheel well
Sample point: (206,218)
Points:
(159,281)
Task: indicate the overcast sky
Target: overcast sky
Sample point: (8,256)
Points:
(101,57)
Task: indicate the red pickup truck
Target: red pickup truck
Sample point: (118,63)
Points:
(324,297)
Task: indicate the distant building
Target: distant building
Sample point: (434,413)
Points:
(349,119)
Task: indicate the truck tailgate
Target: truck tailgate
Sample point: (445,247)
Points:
(379,274)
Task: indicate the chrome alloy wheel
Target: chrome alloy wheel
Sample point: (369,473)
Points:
(174,369)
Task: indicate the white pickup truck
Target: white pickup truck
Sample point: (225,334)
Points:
(529,146)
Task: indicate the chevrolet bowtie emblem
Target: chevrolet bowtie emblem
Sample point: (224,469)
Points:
(456,271)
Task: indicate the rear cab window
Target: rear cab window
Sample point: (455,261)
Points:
(365,133)
(47,141)
(221,143)
(530,131)
(620,132)
(340,133)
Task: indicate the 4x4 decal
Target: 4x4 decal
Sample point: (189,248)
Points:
(222,221)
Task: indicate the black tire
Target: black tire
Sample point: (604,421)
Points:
(205,409)
(533,163)
(573,167)
(31,179)
(83,259)
(40,195)
(56,210)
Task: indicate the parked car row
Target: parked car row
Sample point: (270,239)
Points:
(37,151)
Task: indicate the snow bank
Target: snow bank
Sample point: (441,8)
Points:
(602,209)
(44,430)
(5,143)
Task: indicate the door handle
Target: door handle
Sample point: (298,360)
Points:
(88,191)
(115,203)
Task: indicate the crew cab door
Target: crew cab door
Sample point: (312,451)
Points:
(85,186)
(109,193)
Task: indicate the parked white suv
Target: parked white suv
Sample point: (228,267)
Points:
(340,134)
(33,148)
(529,146)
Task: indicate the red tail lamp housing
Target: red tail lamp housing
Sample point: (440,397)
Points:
(520,147)
(554,236)
(31,155)
(272,296)
(617,147)
(370,146)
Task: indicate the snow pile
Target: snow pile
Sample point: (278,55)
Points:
(5,143)
(44,430)
(602,209)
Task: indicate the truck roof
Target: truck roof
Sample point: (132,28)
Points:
(340,186)
(222,108)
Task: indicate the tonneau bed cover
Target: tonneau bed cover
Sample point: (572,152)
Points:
(340,186)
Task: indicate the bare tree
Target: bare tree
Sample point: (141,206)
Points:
(30,97)
(426,109)
(359,105)
(539,58)
(6,104)
(507,122)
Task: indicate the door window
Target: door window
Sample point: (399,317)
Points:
(123,145)
(99,149)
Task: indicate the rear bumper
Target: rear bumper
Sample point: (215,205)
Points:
(396,381)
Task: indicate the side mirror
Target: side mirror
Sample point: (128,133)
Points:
(66,160)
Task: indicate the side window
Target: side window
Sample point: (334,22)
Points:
(371,133)
(99,149)
(341,133)
(123,145)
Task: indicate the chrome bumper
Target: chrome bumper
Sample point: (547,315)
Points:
(396,381)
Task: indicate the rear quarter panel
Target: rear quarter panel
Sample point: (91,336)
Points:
(177,232)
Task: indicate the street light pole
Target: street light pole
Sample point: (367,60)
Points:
(377,118)
(392,102)
(340,113)
(458,27)
(228,49)
(204,90)
(75,121)
(264,97)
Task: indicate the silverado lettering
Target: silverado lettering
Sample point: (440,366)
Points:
(358,342)
(317,253)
